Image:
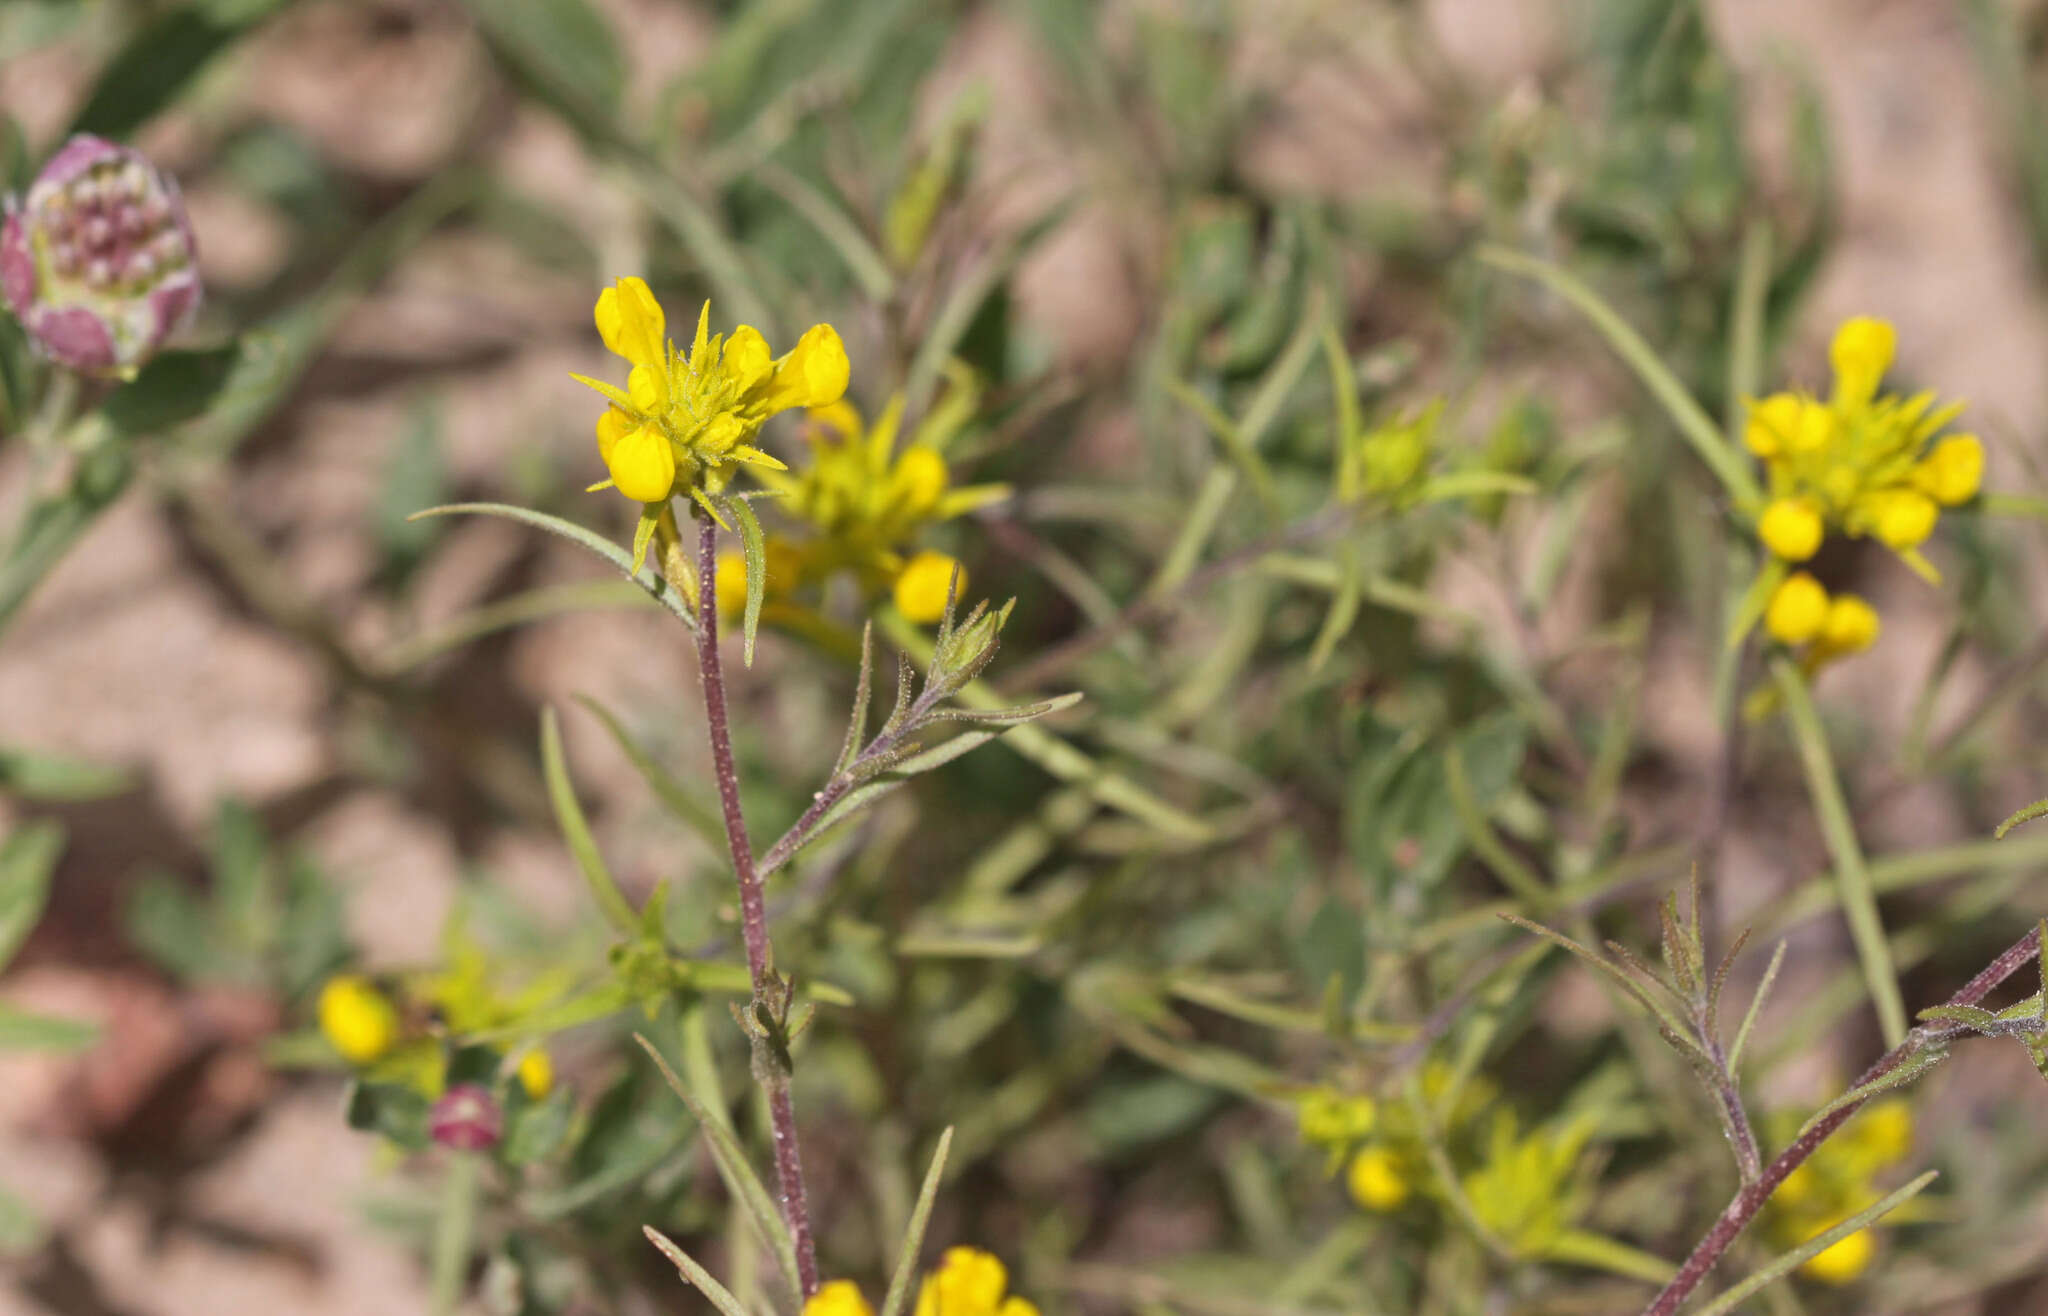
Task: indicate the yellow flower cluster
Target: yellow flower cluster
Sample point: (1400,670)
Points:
(862,503)
(1530,1189)
(1823,627)
(968,1282)
(1382,1149)
(1837,1181)
(366,1028)
(684,423)
(1859,462)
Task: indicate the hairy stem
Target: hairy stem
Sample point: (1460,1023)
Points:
(789,1169)
(1747,1202)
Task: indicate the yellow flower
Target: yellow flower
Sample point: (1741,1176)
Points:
(924,584)
(1843,1262)
(1772,424)
(1952,472)
(1333,1119)
(357,1019)
(784,568)
(1900,518)
(969,1282)
(1791,528)
(684,422)
(841,1297)
(1861,352)
(1798,610)
(537,1074)
(1377,1179)
(1851,626)
(1882,1135)
(1796,1189)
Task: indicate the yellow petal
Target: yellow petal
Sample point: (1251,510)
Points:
(1851,627)
(357,1019)
(1903,518)
(730,583)
(1843,1262)
(631,323)
(814,373)
(838,1298)
(1797,611)
(648,387)
(747,359)
(1953,471)
(611,427)
(1861,352)
(1772,423)
(537,1074)
(922,585)
(1791,528)
(919,479)
(643,465)
(1376,1180)
(840,418)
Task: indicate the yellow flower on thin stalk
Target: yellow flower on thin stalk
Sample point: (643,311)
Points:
(686,423)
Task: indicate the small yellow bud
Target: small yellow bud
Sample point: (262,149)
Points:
(611,427)
(1815,429)
(1952,472)
(815,371)
(1902,518)
(1851,625)
(1772,423)
(648,387)
(920,477)
(1376,1180)
(537,1073)
(1861,353)
(1798,610)
(1843,1262)
(1016,1306)
(968,1281)
(631,323)
(922,585)
(841,1297)
(747,360)
(357,1019)
(1791,528)
(643,465)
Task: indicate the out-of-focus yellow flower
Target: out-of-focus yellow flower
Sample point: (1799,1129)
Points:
(1791,528)
(357,1019)
(841,1297)
(1798,610)
(1844,1261)
(784,572)
(537,1073)
(969,1282)
(683,423)
(1378,1180)
(923,586)
(1851,626)
(1859,463)
(1531,1188)
(1953,471)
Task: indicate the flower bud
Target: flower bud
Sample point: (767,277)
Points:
(97,260)
(467,1118)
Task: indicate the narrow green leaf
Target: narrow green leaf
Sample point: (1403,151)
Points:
(20,1031)
(649,580)
(699,816)
(857,720)
(152,69)
(27,859)
(840,230)
(754,546)
(695,1275)
(576,829)
(913,1238)
(1859,897)
(55,779)
(1756,1004)
(740,1179)
(2021,815)
(1781,1266)
(1685,411)
(173,388)
(1582,1247)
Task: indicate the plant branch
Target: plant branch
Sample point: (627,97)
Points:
(1750,1199)
(789,1170)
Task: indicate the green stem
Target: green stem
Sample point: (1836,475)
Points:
(454,1228)
(1859,893)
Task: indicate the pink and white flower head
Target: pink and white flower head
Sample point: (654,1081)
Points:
(97,260)
(467,1118)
